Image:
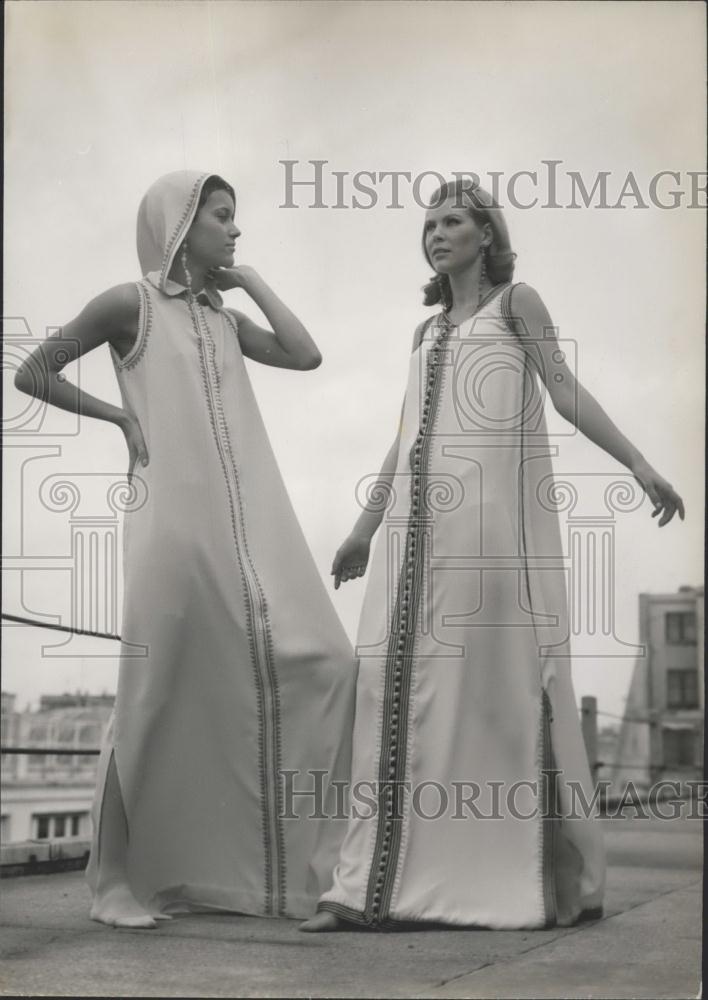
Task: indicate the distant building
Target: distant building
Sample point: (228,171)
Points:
(661,735)
(8,703)
(44,795)
(607,738)
(48,702)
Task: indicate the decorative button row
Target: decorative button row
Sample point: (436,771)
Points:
(433,361)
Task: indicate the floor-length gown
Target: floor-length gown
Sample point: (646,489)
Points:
(236,677)
(465,704)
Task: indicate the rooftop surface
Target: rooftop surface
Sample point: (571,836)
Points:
(648,944)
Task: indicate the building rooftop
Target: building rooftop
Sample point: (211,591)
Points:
(49,946)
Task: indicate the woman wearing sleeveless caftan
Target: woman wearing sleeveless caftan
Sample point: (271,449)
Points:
(465,703)
(234,667)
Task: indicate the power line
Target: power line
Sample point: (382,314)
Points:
(645,765)
(622,718)
(52,751)
(58,628)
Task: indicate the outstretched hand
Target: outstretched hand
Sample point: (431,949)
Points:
(351,559)
(663,496)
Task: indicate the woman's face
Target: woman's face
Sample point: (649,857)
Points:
(213,234)
(452,237)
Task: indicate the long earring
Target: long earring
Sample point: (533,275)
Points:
(482,272)
(185,268)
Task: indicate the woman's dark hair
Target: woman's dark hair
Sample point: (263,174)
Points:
(483,209)
(212,184)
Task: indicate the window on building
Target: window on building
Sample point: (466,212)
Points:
(682,688)
(57,825)
(678,747)
(5,828)
(681,628)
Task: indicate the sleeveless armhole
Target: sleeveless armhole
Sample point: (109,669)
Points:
(507,309)
(529,346)
(420,333)
(231,320)
(136,352)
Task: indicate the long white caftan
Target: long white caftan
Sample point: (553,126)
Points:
(464,694)
(235,668)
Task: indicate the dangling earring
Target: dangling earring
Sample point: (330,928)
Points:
(482,272)
(185,268)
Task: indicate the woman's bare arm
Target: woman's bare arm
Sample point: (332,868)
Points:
(353,554)
(110,317)
(288,344)
(573,401)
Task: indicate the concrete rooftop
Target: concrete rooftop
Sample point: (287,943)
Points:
(648,944)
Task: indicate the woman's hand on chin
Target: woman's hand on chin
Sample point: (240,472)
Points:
(224,278)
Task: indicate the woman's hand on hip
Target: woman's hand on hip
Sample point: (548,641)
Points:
(137,448)
(351,559)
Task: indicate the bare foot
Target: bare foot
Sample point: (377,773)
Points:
(323,922)
(117,907)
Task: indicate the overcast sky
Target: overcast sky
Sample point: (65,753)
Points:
(103,98)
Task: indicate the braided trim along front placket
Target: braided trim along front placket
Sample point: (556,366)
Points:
(399,658)
(260,640)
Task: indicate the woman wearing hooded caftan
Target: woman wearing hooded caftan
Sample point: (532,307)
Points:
(469,770)
(236,678)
